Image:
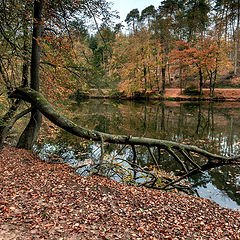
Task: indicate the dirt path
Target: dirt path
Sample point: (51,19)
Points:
(43,201)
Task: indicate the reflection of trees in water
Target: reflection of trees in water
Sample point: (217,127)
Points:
(225,179)
(205,124)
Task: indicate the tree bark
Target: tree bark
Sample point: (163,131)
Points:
(30,133)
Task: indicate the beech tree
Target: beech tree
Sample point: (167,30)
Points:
(182,154)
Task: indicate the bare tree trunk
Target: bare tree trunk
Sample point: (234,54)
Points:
(145,78)
(25,56)
(181,80)
(30,133)
(163,78)
(157,74)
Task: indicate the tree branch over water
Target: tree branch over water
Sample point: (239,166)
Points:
(181,153)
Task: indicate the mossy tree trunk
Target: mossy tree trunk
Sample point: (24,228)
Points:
(30,133)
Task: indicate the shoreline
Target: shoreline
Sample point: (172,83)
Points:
(171,94)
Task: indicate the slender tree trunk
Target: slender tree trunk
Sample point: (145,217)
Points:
(163,78)
(30,133)
(181,80)
(145,78)
(200,81)
(5,78)
(211,83)
(156,75)
(164,72)
(150,79)
(214,82)
(25,67)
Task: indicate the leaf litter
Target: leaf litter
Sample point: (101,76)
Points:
(50,201)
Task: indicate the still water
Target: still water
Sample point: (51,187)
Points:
(213,126)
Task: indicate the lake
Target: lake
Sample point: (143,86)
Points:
(213,126)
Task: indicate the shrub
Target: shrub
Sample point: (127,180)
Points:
(191,91)
(81,94)
(117,94)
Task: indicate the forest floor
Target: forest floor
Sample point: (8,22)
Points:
(50,201)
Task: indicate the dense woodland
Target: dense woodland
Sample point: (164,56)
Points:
(180,43)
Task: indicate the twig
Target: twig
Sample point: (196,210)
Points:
(172,153)
(189,158)
(153,157)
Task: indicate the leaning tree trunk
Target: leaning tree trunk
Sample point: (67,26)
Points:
(41,103)
(181,153)
(30,133)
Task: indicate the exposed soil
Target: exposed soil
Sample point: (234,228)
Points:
(227,94)
(49,201)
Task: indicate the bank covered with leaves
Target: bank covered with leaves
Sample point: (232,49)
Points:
(49,201)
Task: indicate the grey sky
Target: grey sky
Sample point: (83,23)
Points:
(125,6)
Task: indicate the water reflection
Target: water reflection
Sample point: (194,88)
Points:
(210,125)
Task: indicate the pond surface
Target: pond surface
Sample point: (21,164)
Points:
(213,126)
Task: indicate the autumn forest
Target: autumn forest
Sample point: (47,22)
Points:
(180,43)
(57,51)
(90,148)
